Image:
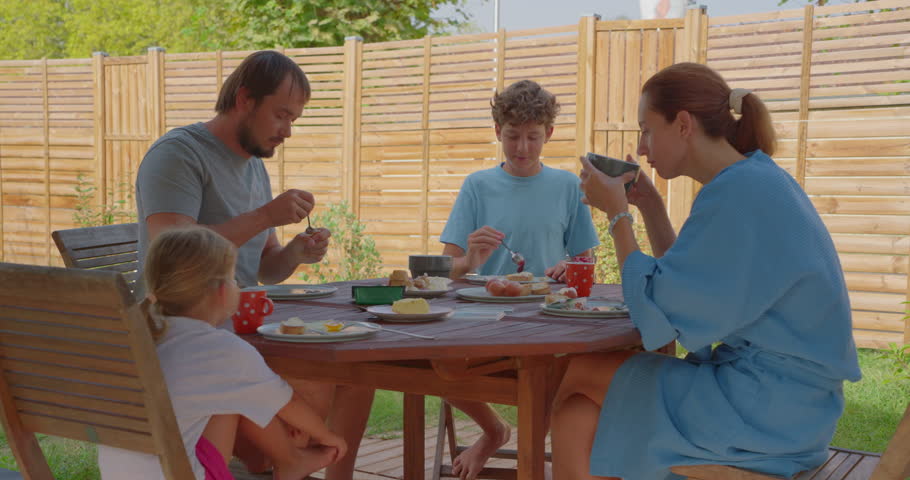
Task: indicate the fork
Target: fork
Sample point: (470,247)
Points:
(517,259)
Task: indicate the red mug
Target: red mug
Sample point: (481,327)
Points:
(580,276)
(254,306)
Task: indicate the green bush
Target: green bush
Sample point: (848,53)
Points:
(352,253)
(606,270)
(117,209)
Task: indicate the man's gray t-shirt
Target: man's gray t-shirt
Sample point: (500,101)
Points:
(191,172)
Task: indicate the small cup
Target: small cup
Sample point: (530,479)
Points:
(254,306)
(580,276)
(614,167)
(432,265)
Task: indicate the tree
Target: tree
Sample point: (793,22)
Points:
(301,23)
(76,28)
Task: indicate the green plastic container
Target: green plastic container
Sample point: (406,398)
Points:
(376,295)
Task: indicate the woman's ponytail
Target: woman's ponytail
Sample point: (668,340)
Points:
(753,130)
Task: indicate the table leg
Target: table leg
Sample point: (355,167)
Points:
(413,437)
(532,426)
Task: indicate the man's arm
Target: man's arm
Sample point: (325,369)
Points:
(238,230)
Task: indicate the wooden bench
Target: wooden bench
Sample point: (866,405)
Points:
(77,361)
(893,464)
(108,247)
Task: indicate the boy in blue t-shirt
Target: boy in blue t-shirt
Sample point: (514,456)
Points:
(535,208)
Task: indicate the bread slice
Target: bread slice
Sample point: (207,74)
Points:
(520,277)
(540,288)
(292,326)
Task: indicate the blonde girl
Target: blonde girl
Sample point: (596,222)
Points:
(219,385)
(753,270)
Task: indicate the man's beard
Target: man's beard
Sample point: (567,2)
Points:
(245,137)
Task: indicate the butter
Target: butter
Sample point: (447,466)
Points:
(411,306)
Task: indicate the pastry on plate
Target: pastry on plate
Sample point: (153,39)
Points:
(411,306)
(333,325)
(292,326)
(540,288)
(399,278)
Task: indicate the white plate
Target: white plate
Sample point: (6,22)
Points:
(426,293)
(296,292)
(482,279)
(562,312)
(351,331)
(480,294)
(385,312)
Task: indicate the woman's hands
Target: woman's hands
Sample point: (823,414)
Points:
(609,194)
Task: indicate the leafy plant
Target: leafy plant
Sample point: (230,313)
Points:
(118,208)
(607,270)
(899,356)
(352,253)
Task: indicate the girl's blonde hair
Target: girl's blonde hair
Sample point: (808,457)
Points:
(180,266)
(702,92)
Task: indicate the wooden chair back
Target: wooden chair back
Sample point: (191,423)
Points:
(77,361)
(108,247)
(842,464)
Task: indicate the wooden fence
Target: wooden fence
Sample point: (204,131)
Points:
(394,127)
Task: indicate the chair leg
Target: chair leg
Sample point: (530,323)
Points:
(450,430)
(440,440)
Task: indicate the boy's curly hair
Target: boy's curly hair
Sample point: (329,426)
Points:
(522,102)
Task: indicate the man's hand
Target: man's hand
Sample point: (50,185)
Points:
(290,207)
(309,248)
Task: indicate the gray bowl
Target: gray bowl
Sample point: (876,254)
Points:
(432,265)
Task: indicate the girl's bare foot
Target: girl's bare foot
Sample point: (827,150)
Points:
(471,461)
(308,461)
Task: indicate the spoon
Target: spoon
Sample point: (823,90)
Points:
(516,257)
(309,228)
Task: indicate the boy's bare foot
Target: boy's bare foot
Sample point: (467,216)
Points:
(308,461)
(471,461)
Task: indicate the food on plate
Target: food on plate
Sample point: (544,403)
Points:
(568,292)
(425,282)
(554,298)
(292,326)
(520,277)
(540,288)
(333,325)
(565,303)
(411,306)
(507,288)
(399,278)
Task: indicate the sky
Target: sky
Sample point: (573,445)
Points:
(522,14)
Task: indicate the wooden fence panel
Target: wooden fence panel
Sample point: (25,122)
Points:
(836,80)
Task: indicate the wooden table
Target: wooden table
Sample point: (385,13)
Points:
(518,360)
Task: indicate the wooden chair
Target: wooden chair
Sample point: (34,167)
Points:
(893,464)
(446,434)
(108,247)
(77,361)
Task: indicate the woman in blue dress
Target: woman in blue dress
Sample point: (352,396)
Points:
(753,271)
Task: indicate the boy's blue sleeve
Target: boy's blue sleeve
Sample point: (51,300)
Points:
(463,217)
(581,234)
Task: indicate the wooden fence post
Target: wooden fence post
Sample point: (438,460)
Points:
(47,157)
(804,86)
(350,157)
(425,129)
(156,91)
(100,106)
(584,92)
(501,42)
(681,191)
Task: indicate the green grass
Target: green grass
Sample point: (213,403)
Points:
(874,407)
